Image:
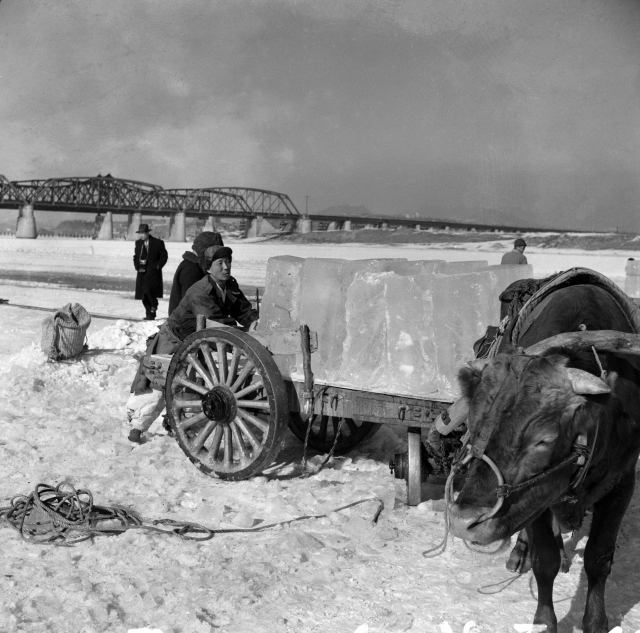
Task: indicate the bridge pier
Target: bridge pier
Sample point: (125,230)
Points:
(209,225)
(333,226)
(253,226)
(26,225)
(346,225)
(304,225)
(384,226)
(417,227)
(133,224)
(178,227)
(106,230)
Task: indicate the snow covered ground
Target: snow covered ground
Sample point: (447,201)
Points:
(337,573)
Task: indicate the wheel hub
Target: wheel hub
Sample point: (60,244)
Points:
(219,404)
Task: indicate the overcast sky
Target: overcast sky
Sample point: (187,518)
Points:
(451,108)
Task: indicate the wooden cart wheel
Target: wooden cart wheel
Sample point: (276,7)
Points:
(226,403)
(324,429)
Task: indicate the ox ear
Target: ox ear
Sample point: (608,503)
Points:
(585,384)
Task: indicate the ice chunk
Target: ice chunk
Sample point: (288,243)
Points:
(364,352)
(324,291)
(390,342)
(281,301)
(455,268)
(411,349)
(463,307)
(505,276)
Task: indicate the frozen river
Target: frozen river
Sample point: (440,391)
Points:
(338,573)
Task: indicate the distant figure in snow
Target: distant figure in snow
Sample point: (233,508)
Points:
(516,256)
(189,270)
(149,257)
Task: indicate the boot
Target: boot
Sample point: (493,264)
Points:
(135,436)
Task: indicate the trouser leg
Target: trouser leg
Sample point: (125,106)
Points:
(150,304)
(144,409)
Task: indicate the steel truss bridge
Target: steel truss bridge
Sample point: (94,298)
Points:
(107,194)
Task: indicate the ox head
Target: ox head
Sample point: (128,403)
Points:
(525,411)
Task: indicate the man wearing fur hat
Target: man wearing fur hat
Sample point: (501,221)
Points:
(218,297)
(189,270)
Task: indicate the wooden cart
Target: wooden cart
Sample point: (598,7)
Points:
(229,404)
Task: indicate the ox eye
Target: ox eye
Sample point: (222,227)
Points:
(545,442)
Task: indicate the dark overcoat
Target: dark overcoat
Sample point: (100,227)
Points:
(150,282)
(187,273)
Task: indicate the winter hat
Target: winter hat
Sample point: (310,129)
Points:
(519,242)
(206,239)
(209,255)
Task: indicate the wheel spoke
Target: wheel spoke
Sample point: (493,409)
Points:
(261,424)
(222,361)
(187,404)
(191,385)
(208,359)
(246,431)
(233,368)
(228,445)
(239,442)
(334,423)
(254,404)
(215,443)
(197,365)
(246,370)
(250,389)
(198,441)
(322,431)
(189,422)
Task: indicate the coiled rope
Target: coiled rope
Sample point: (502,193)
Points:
(64,516)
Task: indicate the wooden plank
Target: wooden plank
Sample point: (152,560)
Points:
(370,407)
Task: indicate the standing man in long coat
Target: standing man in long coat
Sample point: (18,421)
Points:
(149,258)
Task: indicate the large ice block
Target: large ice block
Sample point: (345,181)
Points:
(280,306)
(390,343)
(505,276)
(456,268)
(463,307)
(324,294)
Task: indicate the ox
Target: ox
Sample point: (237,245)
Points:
(548,440)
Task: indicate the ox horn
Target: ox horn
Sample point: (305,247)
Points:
(585,384)
(478,364)
(602,340)
(453,417)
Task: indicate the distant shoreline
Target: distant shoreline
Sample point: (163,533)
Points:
(582,241)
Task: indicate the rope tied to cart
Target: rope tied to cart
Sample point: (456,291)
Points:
(65,516)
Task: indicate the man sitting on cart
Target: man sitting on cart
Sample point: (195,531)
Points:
(218,297)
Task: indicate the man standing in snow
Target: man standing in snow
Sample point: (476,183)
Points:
(189,270)
(149,257)
(218,297)
(516,256)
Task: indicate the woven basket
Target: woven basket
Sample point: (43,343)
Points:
(64,333)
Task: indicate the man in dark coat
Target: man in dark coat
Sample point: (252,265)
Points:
(189,270)
(218,297)
(149,258)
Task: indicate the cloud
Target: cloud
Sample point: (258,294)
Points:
(447,107)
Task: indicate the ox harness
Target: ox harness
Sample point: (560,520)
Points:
(581,456)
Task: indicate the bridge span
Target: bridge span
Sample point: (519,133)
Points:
(108,195)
